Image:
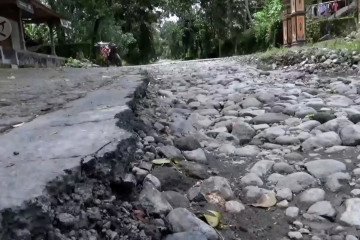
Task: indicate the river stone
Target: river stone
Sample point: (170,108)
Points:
(247,151)
(351,216)
(226,137)
(262,167)
(323,117)
(294,156)
(287,140)
(322,208)
(333,182)
(275,178)
(296,182)
(269,118)
(188,143)
(234,206)
(308,125)
(66,220)
(283,168)
(292,212)
(323,168)
(304,111)
(284,194)
(182,220)
(272,133)
(243,131)
(154,202)
(197,155)
(350,135)
(154,181)
(250,102)
(335,125)
(171,152)
(312,195)
(194,170)
(186,235)
(251,179)
(323,140)
(218,185)
(176,199)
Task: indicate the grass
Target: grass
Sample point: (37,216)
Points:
(334,44)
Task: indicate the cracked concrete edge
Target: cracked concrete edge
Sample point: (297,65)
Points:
(36,214)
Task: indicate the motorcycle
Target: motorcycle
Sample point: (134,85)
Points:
(110,52)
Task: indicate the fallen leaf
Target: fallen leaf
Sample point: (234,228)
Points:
(18,125)
(161,161)
(267,200)
(215,198)
(54,133)
(214,219)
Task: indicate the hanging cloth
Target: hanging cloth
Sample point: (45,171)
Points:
(336,6)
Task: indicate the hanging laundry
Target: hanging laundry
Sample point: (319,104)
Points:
(336,6)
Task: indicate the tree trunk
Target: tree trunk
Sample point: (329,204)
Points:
(248,10)
(219,47)
(95,35)
(236,45)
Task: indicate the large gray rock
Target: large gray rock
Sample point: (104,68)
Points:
(218,185)
(266,97)
(297,182)
(243,131)
(250,102)
(324,168)
(272,133)
(335,125)
(339,101)
(323,140)
(312,195)
(334,181)
(283,168)
(251,179)
(322,208)
(350,135)
(262,167)
(187,143)
(176,199)
(182,220)
(304,111)
(199,121)
(194,170)
(171,152)
(287,140)
(197,155)
(351,216)
(247,151)
(186,235)
(308,125)
(154,202)
(270,118)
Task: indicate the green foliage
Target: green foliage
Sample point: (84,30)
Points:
(38,33)
(267,22)
(313,31)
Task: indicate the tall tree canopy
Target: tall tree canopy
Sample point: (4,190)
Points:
(144,31)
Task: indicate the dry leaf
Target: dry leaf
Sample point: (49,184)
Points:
(18,125)
(214,219)
(215,198)
(267,200)
(161,161)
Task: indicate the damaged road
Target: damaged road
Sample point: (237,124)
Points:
(274,153)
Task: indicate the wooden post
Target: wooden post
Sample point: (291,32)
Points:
(52,42)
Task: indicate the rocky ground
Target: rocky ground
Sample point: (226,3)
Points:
(275,152)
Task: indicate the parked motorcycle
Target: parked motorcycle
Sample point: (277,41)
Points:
(110,52)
